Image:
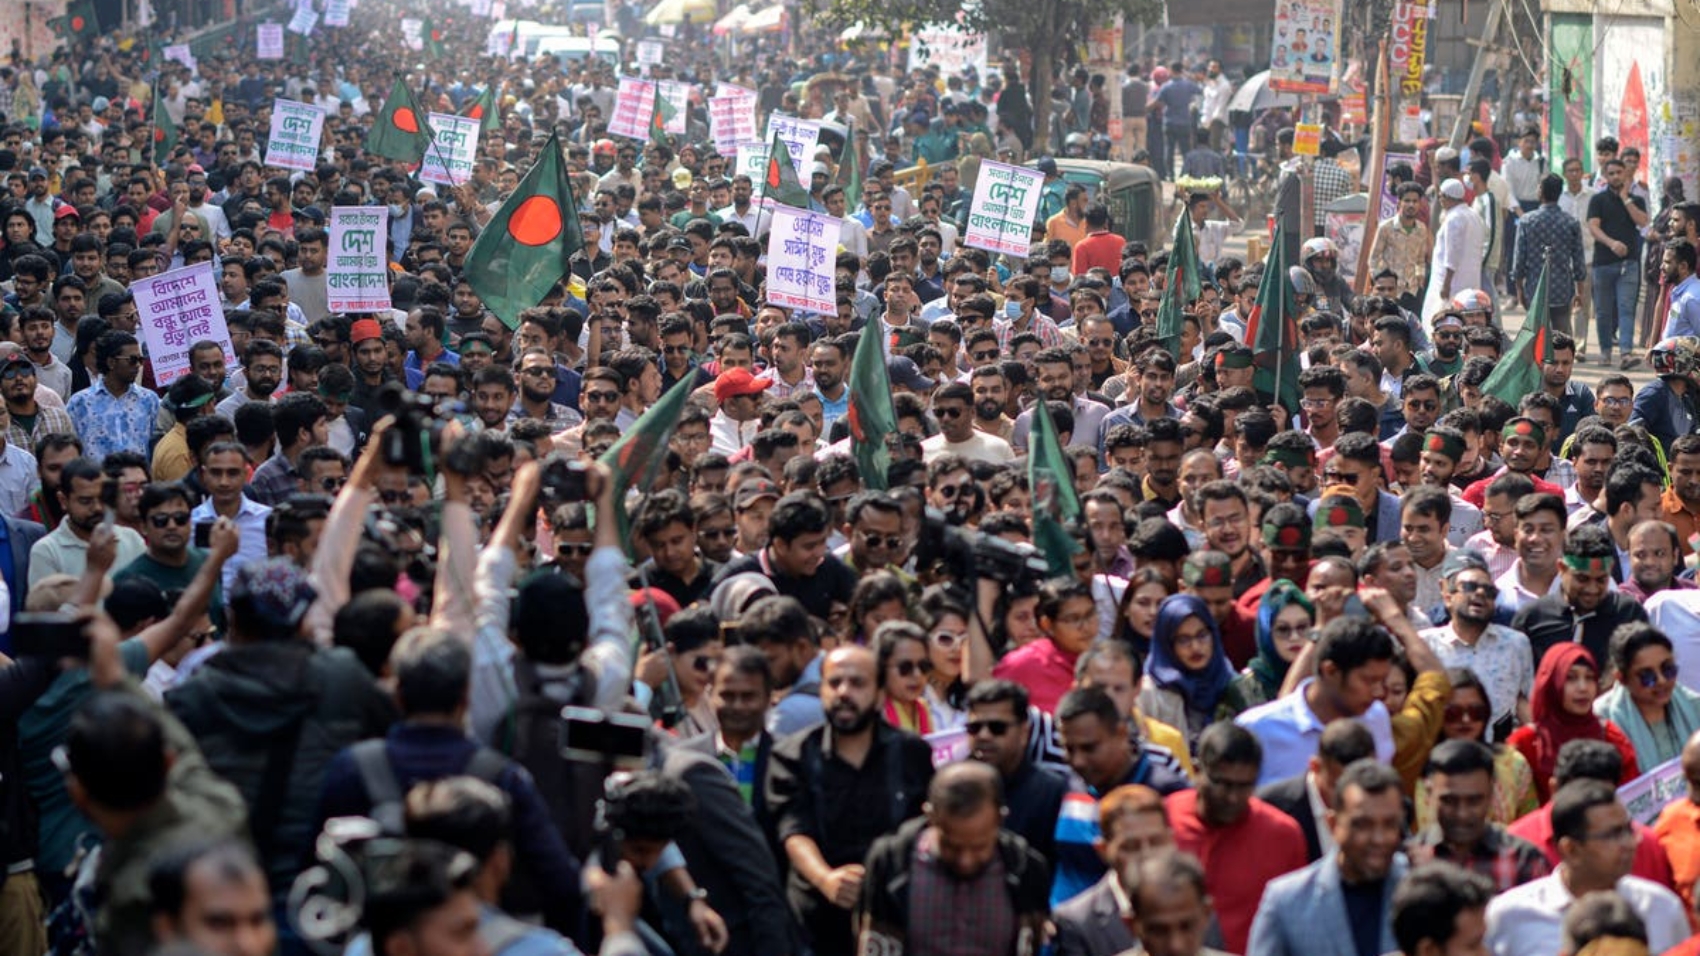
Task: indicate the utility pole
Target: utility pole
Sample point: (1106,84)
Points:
(1473,88)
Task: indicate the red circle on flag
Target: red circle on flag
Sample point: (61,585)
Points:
(405,120)
(536,221)
(477,112)
(78,23)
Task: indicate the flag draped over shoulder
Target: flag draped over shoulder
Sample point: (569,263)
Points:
(1272,330)
(871,415)
(1180,290)
(1519,370)
(524,250)
(400,131)
(636,457)
(1050,478)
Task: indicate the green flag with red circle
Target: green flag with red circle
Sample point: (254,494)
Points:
(164,132)
(524,250)
(483,109)
(79,22)
(432,34)
(400,131)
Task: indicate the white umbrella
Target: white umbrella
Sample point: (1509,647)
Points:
(770,20)
(1255,96)
(733,21)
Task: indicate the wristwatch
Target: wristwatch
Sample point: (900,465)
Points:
(697,894)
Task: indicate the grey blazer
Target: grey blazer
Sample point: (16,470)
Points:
(1091,923)
(1304,914)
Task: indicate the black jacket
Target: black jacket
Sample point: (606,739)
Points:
(1290,796)
(1551,620)
(884,905)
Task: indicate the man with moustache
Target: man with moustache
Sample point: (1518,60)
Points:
(831,793)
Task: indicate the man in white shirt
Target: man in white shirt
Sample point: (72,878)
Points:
(1458,246)
(1597,841)
(1210,235)
(1523,170)
(953,406)
(1213,105)
(738,394)
(1574,201)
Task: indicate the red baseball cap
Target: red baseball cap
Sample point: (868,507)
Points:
(739,381)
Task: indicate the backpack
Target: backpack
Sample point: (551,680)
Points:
(372,762)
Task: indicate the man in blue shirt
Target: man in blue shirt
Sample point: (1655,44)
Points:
(1678,268)
(1177,97)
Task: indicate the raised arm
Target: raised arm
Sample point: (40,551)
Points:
(164,635)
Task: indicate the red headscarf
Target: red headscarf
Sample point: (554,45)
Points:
(1554,726)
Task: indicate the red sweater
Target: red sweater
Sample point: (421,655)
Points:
(1239,860)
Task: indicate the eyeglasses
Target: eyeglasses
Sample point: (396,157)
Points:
(1315,402)
(134,359)
(950,492)
(910,668)
(945,640)
(1489,591)
(568,549)
(1199,638)
(330,483)
(1449,336)
(1617,402)
(393,497)
(950,411)
(705,664)
(675,350)
(1475,713)
(1289,630)
(160,519)
(984,355)
(1428,406)
(601,396)
(1148,313)
(1101,343)
(17,371)
(329,342)
(1650,677)
(891,541)
(1077,620)
(997,728)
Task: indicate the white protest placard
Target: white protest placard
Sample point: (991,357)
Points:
(357,267)
(948,48)
(1646,796)
(178,309)
(413,33)
(677,95)
(634,107)
(732,120)
(336,13)
(651,52)
(268,41)
(799,136)
(481,8)
(296,128)
(498,10)
(448,161)
(181,53)
(1000,216)
(949,746)
(751,161)
(302,22)
(801,249)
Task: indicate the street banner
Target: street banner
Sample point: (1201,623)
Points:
(305,17)
(799,136)
(634,107)
(1000,216)
(801,249)
(178,309)
(947,47)
(357,270)
(296,129)
(448,161)
(1646,796)
(268,41)
(732,120)
(336,13)
(1410,44)
(1306,48)
(181,53)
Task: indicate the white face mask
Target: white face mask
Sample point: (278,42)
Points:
(396,212)
(1059,273)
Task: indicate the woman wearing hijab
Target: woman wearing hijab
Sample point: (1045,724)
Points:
(1187,672)
(1563,707)
(1284,619)
(1656,713)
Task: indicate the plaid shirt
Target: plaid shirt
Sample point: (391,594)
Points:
(1506,860)
(1548,236)
(1561,473)
(950,916)
(48,421)
(1050,336)
(1329,182)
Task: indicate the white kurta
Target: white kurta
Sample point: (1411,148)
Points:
(1458,246)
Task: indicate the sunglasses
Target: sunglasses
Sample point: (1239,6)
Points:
(332,484)
(567,549)
(675,350)
(717,534)
(1490,591)
(17,371)
(1478,713)
(1101,343)
(945,640)
(984,355)
(891,541)
(395,497)
(1649,677)
(911,668)
(950,492)
(1148,313)
(164,520)
(950,412)
(705,664)
(601,396)
(997,728)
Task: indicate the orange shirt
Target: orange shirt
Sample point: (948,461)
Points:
(1678,830)
(1058,227)
(1686,522)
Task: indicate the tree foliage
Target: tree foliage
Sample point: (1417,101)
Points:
(1049,30)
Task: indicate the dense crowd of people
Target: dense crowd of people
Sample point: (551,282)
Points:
(369,644)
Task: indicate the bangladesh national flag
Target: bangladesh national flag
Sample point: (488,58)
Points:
(780,184)
(432,35)
(1519,371)
(400,132)
(1180,288)
(636,457)
(871,415)
(484,110)
(1272,329)
(79,22)
(524,250)
(660,117)
(1050,479)
(164,132)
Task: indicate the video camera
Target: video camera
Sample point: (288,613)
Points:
(415,442)
(968,555)
(365,876)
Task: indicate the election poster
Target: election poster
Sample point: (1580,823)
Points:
(801,249)
(1000,216)
(296,128)
(448,161)
(1307,46)
(634,106)
(336,13)
(304,19)
(268,41)
(947,47)
(799,136)
(357,267)
(178,309)
(732,120)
